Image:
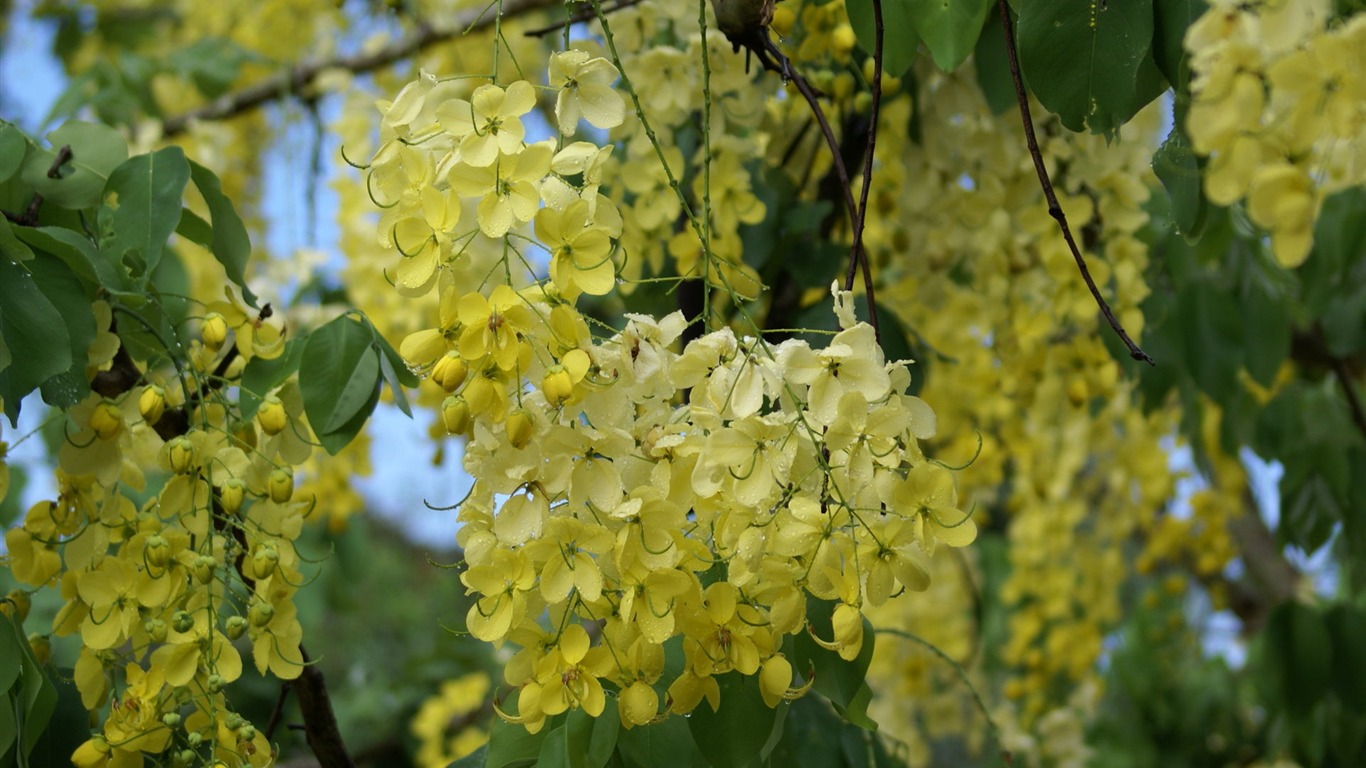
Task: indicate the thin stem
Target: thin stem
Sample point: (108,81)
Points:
(1054,209)
(706,168)
(581,16)
(1349,389)
(858,255)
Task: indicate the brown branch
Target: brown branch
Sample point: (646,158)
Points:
(858,255)
(320,723)
(29,218)
(585,15)
(1349,389)
(1054,209)
(302,75)
(277,713)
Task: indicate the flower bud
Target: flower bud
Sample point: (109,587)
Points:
(271,416)
(455,414)
(41,647)
(263,561)
(204,569)
(157,551)
(180,454)
(281,484)
(106,420)
(216,683)
(520,428)
(842,40)
(16,605)
(156,629)
(234,721)
(231,495)
(152,403)
(261,614)
(449,371)
(246,732)
(235,627)
(215,330)
(557,385)
(194,738)
(182,621)
(170,719)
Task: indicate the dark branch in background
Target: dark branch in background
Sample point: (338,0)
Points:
(320,725)
(299,77)
(580,17)
(1349,389)
(29,218)
(858,255)
(277,713)
(1054,209)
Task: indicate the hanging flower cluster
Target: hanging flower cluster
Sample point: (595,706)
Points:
(629,493)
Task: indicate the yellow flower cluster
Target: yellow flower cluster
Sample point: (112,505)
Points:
(159,592)
(622,484)
(1279,107)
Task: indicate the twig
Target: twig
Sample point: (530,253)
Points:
(320,723)
(1349,389)
(1054,209)
(581,16)
(858,255)
(277,713)
(302,75)
(29,217)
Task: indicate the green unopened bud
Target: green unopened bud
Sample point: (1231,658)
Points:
(16,605)
(182,621)
(272,416)
(157,551)
(261,614)
(449,371)
(231,495)
(194,739)
(204,569)
(106,420)
(281,484)
(235,627)
(520,428)
(246,732)
(152,403)
(156,629)
(215,330)
(180,454)
(234,721)
(455,414)
(41,647)
(216,683)
(170,719)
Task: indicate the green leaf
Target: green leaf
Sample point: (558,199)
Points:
(13,147)
(9,729)
(899,40)
(1299,656)
(567,745)
(476,759)
(667,742)
(10,244)
(993,67)
(510,746)
(949,28)
(230,244)
(1347,627)
(73,302)
(339,378)
(30,692)
(602,742)
(1090,62)
(1178,169)
(1212,322)
(35,334)
(78,252)
(260,375)
(840,681)
(149,189)
(734,735)
(211,63)
(396,372)
(96,150)
(1171,20)
(1266,328)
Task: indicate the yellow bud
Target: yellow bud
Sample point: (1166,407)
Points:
(263,561)
(181,455)
(455,414)
(449,371)
(107,420)
(16,605)
(271,416)
(235,627)
(890,84)
(843,86)
(156,629)
(863,101)
(157,551)
(231,495)
(281,485)
(557,385)
(204,568)
(152,403)
(41,647)
(182,621)
(842,40)
(261,614)
(520,428)
(215,330)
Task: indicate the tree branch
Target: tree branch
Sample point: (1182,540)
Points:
(1054,209)
(301,76)
(858,256)
(320,724)
(587,14)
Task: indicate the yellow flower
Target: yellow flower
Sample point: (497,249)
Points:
(509,189)
(495,327)
(585,90)
(489,123)
(580,253)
